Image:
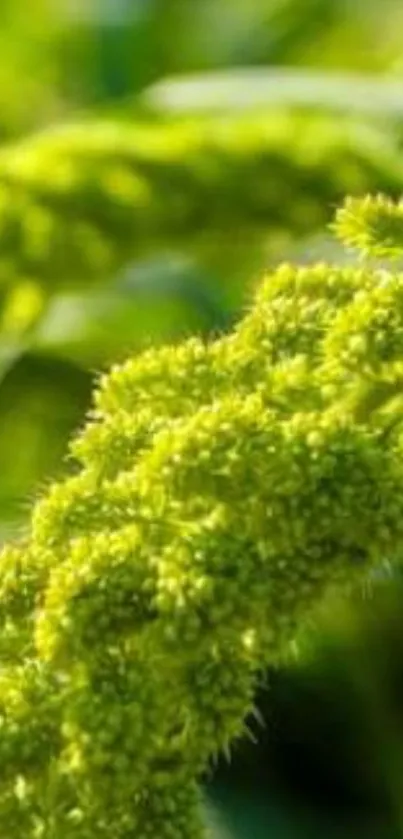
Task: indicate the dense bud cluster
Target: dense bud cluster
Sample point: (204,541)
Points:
(373,224)
(76,203)
(221,491)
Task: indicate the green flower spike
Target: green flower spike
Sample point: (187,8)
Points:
(222,491)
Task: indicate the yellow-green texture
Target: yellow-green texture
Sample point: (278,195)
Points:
(78,202)
(373,224)
(221,491)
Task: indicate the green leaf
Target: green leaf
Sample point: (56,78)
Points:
(157,302)
(237,89)
(41,402)
(236,813)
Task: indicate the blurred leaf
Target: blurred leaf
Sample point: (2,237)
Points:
(29,32)
(236,89)
(41,402)
(155,302)
(236,813)
(10,352)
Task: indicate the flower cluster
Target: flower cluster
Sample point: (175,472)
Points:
(373,224)
(77,202)
(221,491)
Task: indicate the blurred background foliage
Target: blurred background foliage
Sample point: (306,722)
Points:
(155,157)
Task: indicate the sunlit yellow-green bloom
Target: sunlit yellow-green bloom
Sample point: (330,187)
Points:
(221,491)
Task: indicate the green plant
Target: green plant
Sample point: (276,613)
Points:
(77,203)
(222,491)
(209,199)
